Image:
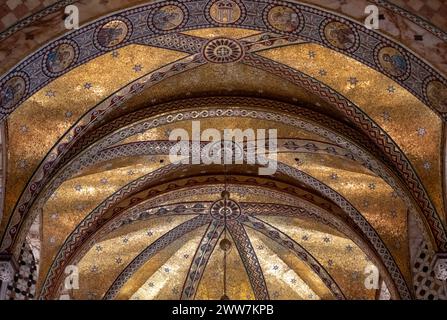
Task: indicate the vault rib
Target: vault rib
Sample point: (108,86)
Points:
(159,244)
(249,259)
(290,244)
(200,260)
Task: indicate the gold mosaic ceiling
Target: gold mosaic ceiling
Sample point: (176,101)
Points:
(331,172)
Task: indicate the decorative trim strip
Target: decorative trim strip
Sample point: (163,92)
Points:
(200,260)
(249,259)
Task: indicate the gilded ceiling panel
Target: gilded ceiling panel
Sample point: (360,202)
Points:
(412,125)
(285,282)
(226,79)
(346,165)
(370,195)
(167,282)
(141,276)
(308,163)
(104,261)
(76,198)
(344,261)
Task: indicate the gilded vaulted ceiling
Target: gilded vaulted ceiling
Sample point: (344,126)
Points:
(360,120)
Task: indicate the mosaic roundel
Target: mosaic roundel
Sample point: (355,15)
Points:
(225,11)
(392,62)
(113,33)
(167,18)
(436,93)
(60,57)
(12,91)
(225,208)
(282,18)
(223,50)
(340,35)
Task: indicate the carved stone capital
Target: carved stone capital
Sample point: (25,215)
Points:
(440,266)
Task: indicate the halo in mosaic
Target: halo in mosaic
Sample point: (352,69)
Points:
(12,91)
(392,62)
(60,57)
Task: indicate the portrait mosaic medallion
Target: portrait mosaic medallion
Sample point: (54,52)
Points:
(283,18)
(60,58)
(393,62)
(112,33)
(340,35)
(12,91)
(437,95)
(167,17)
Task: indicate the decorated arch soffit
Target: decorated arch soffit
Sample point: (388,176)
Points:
(401,24)
(357,113)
